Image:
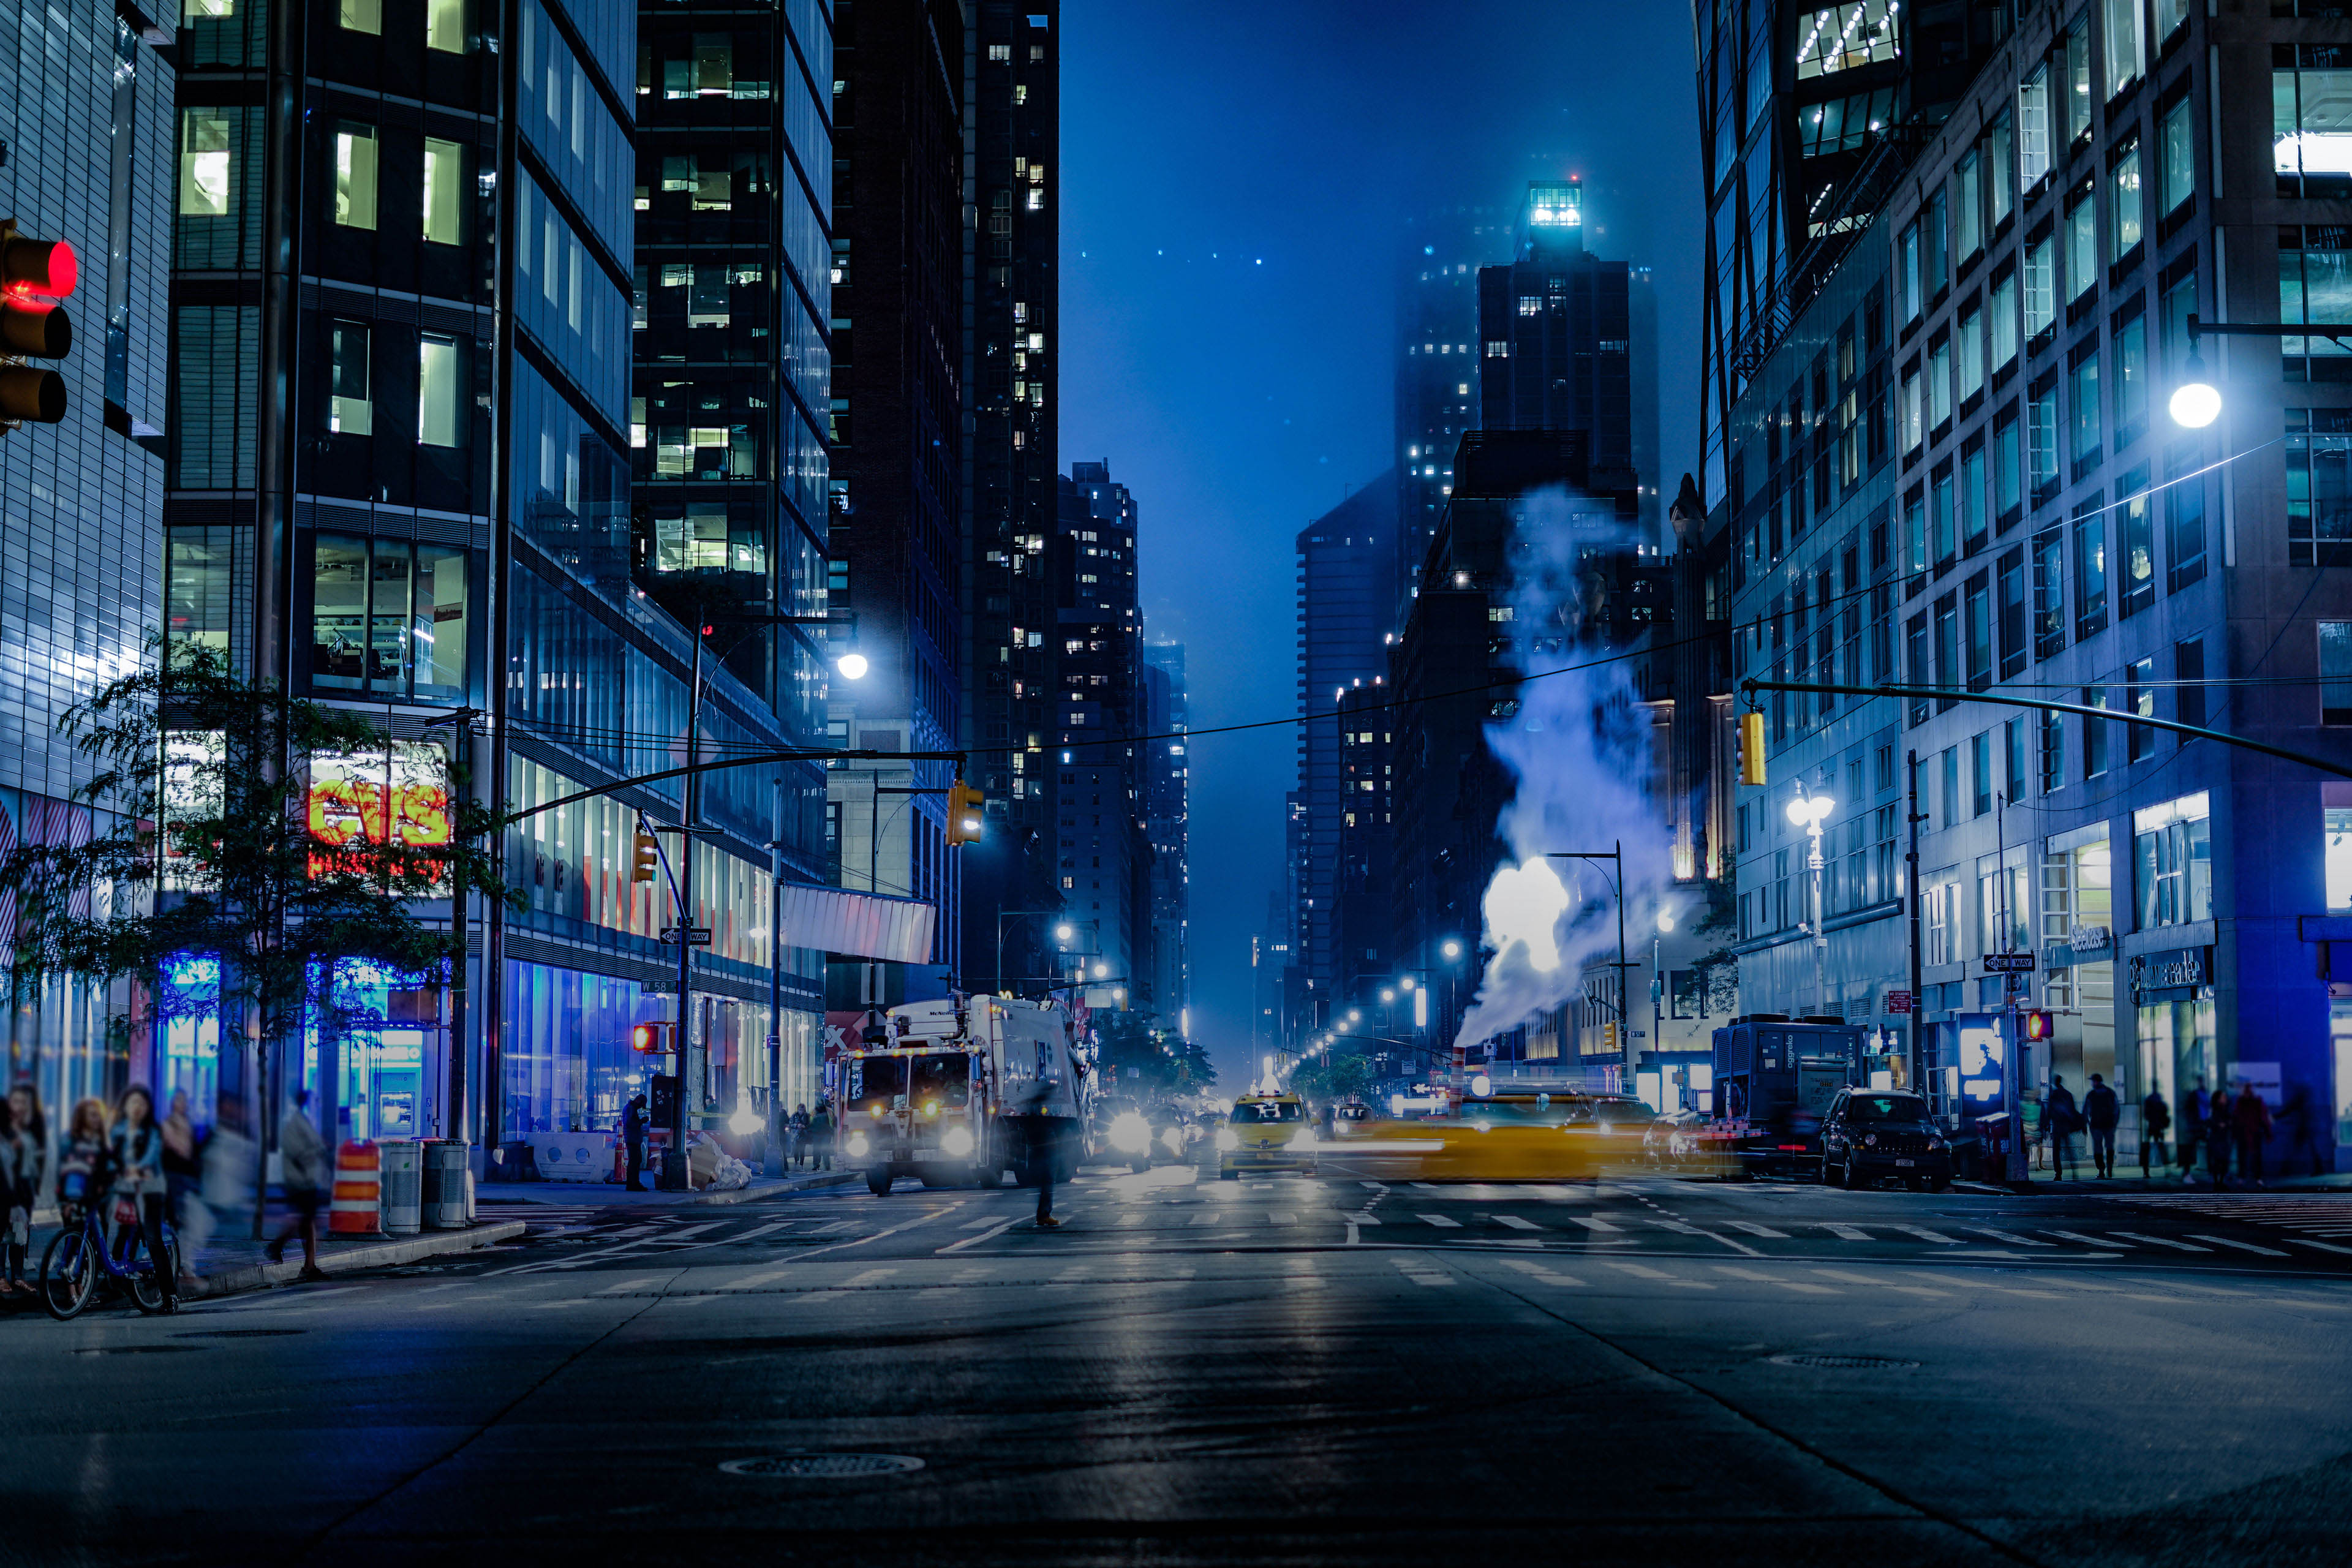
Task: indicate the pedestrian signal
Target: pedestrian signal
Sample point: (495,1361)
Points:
(965,821)
(2039,1025)
(650,1039)
(1750,748)
(34,274)
(645,861)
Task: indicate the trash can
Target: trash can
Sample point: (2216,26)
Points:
(404,1187)
(445,1198)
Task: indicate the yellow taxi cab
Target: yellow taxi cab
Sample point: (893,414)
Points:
(1267,1132)
(1497,1137)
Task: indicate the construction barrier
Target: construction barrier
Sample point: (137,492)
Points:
(359,1190)
(404,1187)
(449,1185)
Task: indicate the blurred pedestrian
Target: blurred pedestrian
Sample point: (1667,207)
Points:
(633,1138)
(2100,1111)
(2303,1120)
(306,1177)
(184,1170)
(2059,1119)
(32,1132)
(2217,1139)
(136,1144)
(817,1135)
(2250,1118)
(15,1204)
(82,1161)
(796,1133)
(2193,1108)
(2155,1117)
(227,1188)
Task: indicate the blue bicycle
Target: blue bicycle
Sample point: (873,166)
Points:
(79,1257)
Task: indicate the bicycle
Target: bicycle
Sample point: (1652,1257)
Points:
(78,1256)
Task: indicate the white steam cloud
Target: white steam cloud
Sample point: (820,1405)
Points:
(1580,747)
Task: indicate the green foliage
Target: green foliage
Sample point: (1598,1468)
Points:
(202,843)
(1348,1074)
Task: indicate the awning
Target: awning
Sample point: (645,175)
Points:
(859,925)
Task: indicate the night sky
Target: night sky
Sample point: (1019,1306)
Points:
(1235,176)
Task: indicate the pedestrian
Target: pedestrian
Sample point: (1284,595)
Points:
(184,1171)
(15,1204)
(1041,1143)
(2059,1119)
(633,1138)
(796,1133)
(32,1133)
(305,1175)
(2217,1139)
(2100,1111)
(2303,1118)
(2192,1128)
(135,1143)
(2250,1118)
(2155,1116)
(81,1161)
(816,1134)
(227,1189)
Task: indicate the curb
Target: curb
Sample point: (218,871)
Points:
(789,1185)
(434,1244)
(562,1192)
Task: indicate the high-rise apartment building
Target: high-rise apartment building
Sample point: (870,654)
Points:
(1436,368)
(86,110)
(897,412)
(1100,846)
(1164,982)
(1011,352)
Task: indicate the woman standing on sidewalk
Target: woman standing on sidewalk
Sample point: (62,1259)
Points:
(137,1145)
(16,1191)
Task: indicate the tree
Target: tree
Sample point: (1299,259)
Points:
(274,837)
(1349,1074)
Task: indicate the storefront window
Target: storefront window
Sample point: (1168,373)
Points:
(384,1056)
(2177,1048)
(2338,830)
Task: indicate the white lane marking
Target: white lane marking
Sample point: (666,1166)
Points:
(1752,1228)
(1739,1247)
(1592,1222)
(2159,1241)
(1515,1222)
(628,1285)
(1644,1269)
(1877,1284)
(1937,1237)
(989,1235)
(2323,1246)
(812,1297)
(1216,1217)
(980,1224)
(1847,1232)
(752,1281)
(1418,1272)
(1365,1218)
(1556,1195)
(1281,1216)
(1440,1221)
(2240,1246)
(2077,1235)
(1740,1273)
(838,1225)
(2007,1236)
(867,1277)
(1538,1271)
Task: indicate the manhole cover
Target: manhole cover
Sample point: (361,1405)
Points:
(134,1350)
(1845,1362)
(236,1334)
(827,1466)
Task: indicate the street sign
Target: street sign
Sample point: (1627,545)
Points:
(696,936)
(2009,964)
(1898,1001)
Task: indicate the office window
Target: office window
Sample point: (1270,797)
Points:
(1908,270)
(445,185)
(2034,151)
(2090,570)
(2122,28)
(1939,914)
(2075,51)
(2173,15)
(2335,672)
(2131,381)
(1935,244)
(2189,691)
(1942,536)
(2000,170)
(1948,780)
(1939,383)
(2009,608)
(2012,756)
(1947,648)
(364,15)
(2184,533)
(2176,305)
(1976,633)
(2042,440)
(2002,318)
(2095,733)
(2336,835)
(2176,135)
(350,411)
(2311,119)
(440,400)
(2139,698)
(2083,406)
(2040,286)
(1980,773)
(199,582)
(1914,658)
(205,173)
(2008,470)
(354,176)
(2053,752)
(2048,593)
(2082,245)
(1968,204)
(2135,522)
(445,26)
(1973,530)
(2318,486)
(388,617)
(2172,854)
(2124,202)
(339,625)
(1914,433)
(2314,285)
(1968,353)
(1832,38)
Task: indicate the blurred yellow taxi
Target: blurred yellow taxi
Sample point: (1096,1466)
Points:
(1267,1132)
(1508,1137)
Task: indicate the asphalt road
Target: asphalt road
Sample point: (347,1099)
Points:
(1274,1370)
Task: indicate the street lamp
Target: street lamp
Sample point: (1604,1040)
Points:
(1658,995)
(2196,402)
(1451,949)
(853,666)
(1808,811)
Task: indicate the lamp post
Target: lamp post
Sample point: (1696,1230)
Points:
(1808,811)
(1616,856)
(1658,995)
(1004,915)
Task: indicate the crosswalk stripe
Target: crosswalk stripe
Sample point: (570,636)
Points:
(1847,1232)
(2085,1240)
(628,1285)
(1538,1271)
(1440,1221)
(1643,1269)
(976,1224)
(1925,1235)
(1361,1219)
(1593,1222)
(2240,1246)
(1281,1216)
(2159,1241)
(1752,1228)
(2323,1246)
(1878,1284)
(2004,1236)
(869,1276)
(1515,1222)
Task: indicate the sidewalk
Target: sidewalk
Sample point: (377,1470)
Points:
(2167,1179)
(612,1194)
(235,1264)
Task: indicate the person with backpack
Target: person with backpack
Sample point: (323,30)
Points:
(2061,1120)
(2155,1117)
(307,1174)
(2101,1113)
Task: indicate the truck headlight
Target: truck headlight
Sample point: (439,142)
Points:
(1175,1140)
(1129,1132)
(956,1141)
(1228,1139)
(858,1144)
(1303,1139)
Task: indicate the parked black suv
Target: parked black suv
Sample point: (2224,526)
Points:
(1868,1133)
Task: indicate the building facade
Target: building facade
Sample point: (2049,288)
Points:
(1101,851)
(1167,811)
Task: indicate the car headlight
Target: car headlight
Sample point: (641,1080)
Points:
(1870,1139)
(1303,1139)
(1228,1139)
(930,1108)
(1934,1143)
(1175,1140)
(956,1141)
(1129,1132)
(858,1143)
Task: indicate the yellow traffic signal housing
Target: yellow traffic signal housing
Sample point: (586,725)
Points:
(34,274)
(1609,1036)
(645,861)
(1750,748)
(966,816)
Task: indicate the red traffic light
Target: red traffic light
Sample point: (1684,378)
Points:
(44,267)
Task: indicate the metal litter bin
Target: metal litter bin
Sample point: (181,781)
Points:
(404,1187)
(447,1196)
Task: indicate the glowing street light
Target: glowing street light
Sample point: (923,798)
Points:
(1064,933)
(1808,811)
(853,666)
(2196,402)
(1387,996)
(1451,949)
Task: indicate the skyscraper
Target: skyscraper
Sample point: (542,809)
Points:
(1099,832)
(1555,333)
(1436,369)
(1167,785)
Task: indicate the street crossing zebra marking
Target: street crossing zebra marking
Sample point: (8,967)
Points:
(2240,1246)
(1937,1237)
(1879,1284)
(1752,1228)
(1281,1216)
(1593,1222)
(1440,1221)
(1420,1273)
(1797,1285)
(1538,1271)
(1514,1221)
(1847,1232)
(2005,1235)
(2085,1240)
(2159,1241)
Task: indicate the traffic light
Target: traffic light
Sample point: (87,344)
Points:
(1609,1036)
(1750,747)
(965,820)
(34,274)
(645,861)
(2038,1025)
(650,1039)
